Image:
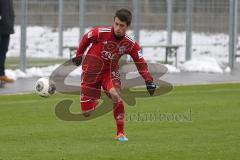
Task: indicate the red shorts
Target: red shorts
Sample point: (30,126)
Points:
(92,84)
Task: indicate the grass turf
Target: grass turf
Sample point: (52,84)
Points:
(29,128)
(14,62)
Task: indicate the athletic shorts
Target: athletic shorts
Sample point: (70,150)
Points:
(92,84)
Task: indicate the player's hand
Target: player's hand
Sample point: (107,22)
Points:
(151,87)
(77,61)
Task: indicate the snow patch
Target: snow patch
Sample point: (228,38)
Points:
(202,64)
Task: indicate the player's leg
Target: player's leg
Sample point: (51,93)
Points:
(4,42)
(3,51)
(90,94)
(112,89)
(88,105)
(119,113)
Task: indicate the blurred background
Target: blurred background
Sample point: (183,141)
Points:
(194,35)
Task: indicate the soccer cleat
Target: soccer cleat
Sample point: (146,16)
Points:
(6,79)
(121,137)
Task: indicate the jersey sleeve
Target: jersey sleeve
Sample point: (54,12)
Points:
(137,56)
(90,37)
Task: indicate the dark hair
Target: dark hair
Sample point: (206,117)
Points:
(124,15)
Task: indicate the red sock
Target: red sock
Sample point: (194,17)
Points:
(119,115)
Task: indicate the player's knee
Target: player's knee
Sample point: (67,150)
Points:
(114,95)
(115,98)
(88,105)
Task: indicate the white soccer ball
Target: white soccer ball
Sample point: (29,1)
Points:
(44,87)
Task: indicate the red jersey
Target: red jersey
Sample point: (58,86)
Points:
(105,50)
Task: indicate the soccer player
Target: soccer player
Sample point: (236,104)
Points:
(100,66)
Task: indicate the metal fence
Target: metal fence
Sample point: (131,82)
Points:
(192,17)
(208,15)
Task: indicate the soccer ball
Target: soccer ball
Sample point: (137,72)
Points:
(44,87)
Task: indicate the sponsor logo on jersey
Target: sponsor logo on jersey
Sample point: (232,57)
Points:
(107,55)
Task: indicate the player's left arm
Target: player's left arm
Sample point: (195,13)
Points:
(137,56)
(88,38)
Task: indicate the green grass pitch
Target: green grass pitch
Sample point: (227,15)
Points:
(29,129)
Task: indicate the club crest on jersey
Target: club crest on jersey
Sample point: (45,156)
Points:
(122,49)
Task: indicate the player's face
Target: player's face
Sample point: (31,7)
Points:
(120,27)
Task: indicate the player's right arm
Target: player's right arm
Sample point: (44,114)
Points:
(88,38)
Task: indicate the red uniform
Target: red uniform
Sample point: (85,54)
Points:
(101,69)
